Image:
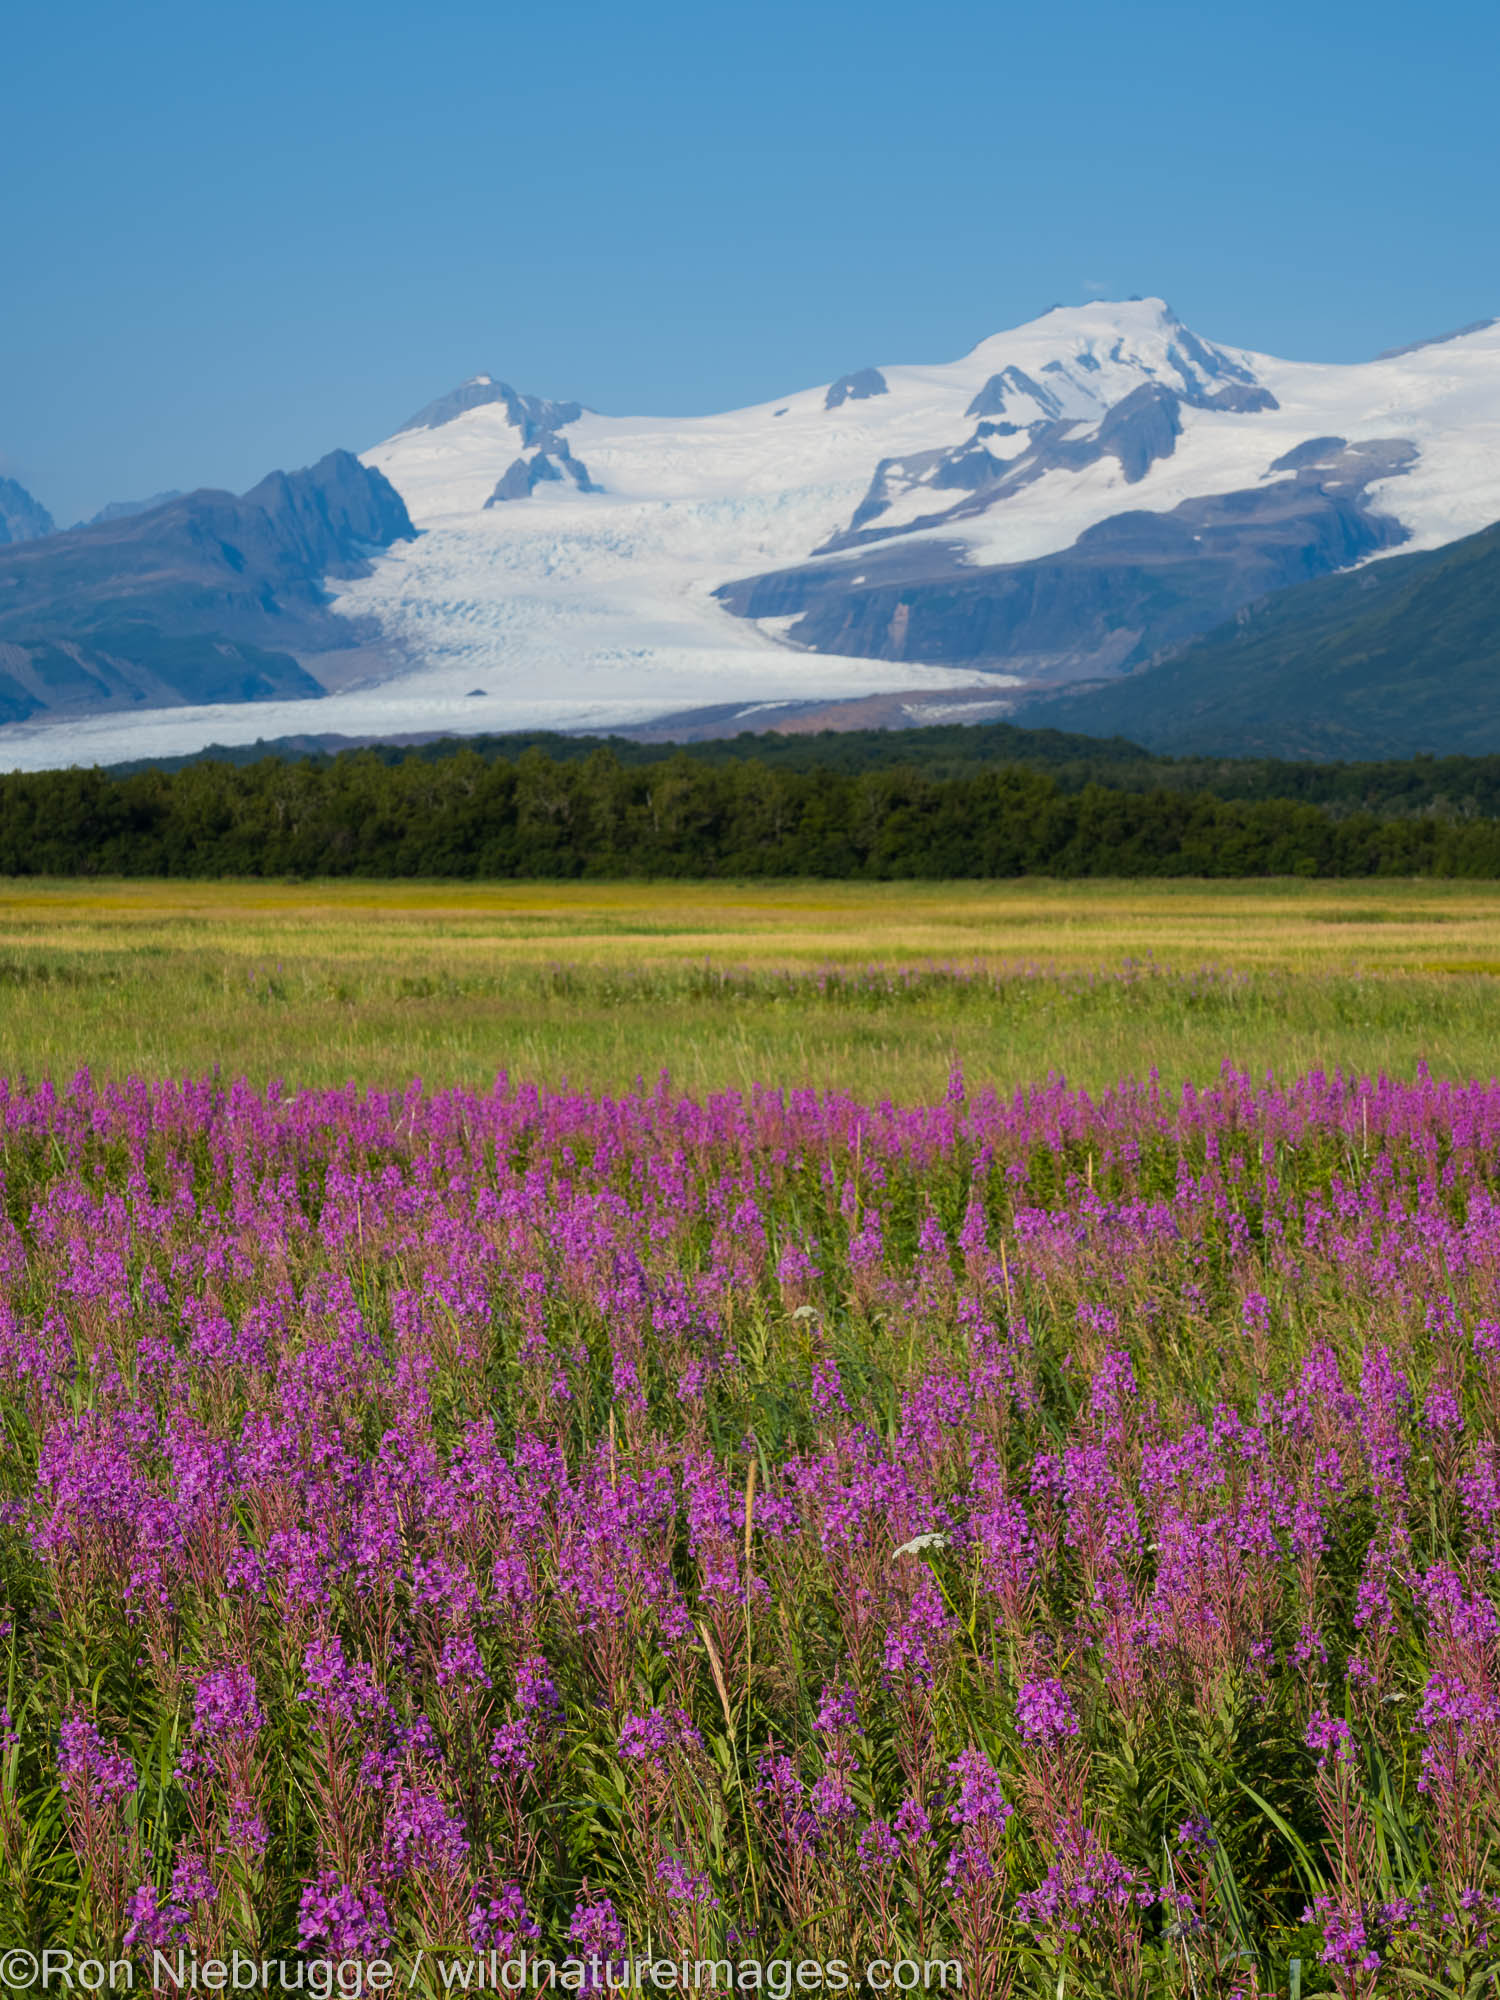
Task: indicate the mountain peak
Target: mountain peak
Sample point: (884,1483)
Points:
(531,415)
(470,395)
(1133,319)
(22,518)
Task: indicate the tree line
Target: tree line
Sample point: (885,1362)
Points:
(466,815)
(1459,786)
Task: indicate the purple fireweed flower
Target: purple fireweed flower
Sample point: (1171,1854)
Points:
(796,1272)
(1441,1410)
(1310,1645)
(877,1848)
(1458,1719)
(423,1835)
(87,1764)
(1448,1700)
(777,1780)
(781,1791)
(1255,1313)
(830,1798)
(682,1885)
(973,1236)
(915,1646)
(1346,1939)
(1085,1883)
(191,1880)
(513,1747)
(827,1388)
(502,1923)
(346,1688)
(1044,1712)
(1332,1738)
(980,1802)
(244,1829)
(153,1925)
(969,1866)
(343,1919)
(536,1691)
(595,1928)
(836,1711)
(656,1736)
(225,1708)
(460,1665)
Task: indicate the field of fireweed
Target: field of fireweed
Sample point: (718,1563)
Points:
(1056,1533)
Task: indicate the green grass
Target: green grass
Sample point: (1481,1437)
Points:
(726,985)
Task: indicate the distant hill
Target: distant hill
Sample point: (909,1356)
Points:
(1401,656)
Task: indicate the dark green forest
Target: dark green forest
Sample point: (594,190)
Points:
(929,804)
(1459,785)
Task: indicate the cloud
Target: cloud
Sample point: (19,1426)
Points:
(1097,288)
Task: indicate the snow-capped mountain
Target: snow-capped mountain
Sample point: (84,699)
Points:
(1070,500)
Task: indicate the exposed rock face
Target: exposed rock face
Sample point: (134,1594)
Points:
(533,416)
(1241,399)
(855,388)
(198,598)
(553,461)
(1141,428)
(251,566)
(545,454)
(1011,382)
(22,519)
(1194,358)
(1132,586)
(326,520)
(1313,451)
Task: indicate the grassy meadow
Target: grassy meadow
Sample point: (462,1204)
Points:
(869,988)
(1057,1538)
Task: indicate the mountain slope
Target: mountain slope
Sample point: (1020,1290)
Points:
(121,510)
(1067,503)
(207,598)
(1398,657)
(1129,587)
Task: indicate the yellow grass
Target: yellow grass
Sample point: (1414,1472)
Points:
(325,982)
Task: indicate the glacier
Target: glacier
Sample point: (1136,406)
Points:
(601,603)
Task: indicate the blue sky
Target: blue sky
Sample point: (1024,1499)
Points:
(232,237)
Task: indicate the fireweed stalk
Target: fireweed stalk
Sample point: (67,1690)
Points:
(1057,1532)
